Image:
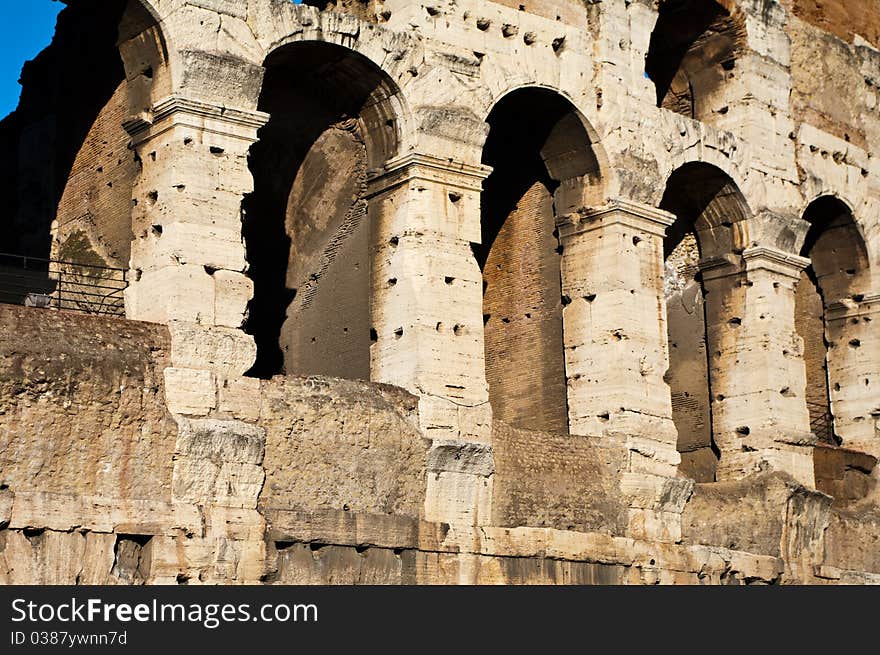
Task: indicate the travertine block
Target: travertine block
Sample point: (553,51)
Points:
(190,391)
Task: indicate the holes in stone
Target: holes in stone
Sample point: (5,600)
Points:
(187,141)
(483,24)
(459,330)
(392,282)
(636,241)
(858,297)
(590,298)
(566,301)
(394,241)
(131,563)
(558,44)
(735,321)
(604,416)
(743,431)
(398,333)
(787,393)
(509,31)
(183,578)
(855,343)
(529,38)
(153,197)
(157,230)
(216,150)
(33,533)
(148,72)
(720,398)
(439,326)
(506,321)
(374,336)
(361,549)
(316,546)
(449,280)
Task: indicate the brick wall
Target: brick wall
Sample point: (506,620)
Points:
(97,197)
(525,364)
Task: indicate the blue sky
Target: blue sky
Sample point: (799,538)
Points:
(27,27)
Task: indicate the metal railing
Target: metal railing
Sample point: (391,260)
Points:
(821,421)
(35,282)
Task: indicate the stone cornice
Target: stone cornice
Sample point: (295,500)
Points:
(414,166)
(208,117)
(619,211)
(867,305)
(767,256)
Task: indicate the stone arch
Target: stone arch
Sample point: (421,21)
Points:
(336,119)
(544,168)
(711,215)
(692,56)
(143,46)
(76,196)
(503,86)
(831,322)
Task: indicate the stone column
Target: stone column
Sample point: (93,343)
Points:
(427,312)
(188,258)
(852,329)
(616,346)
(427,292)
(188,270)
(756,367)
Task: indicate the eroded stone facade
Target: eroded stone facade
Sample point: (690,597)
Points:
(450,292)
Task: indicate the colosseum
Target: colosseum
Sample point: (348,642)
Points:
(443,292)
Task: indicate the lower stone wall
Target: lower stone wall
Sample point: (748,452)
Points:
(320,481)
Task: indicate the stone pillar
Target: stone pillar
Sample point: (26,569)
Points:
(188,258)
(427,292)
(188,270)
(616,346)
(756,367)
(852,329)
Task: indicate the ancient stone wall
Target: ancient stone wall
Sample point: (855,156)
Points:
(168,500)
(299,170)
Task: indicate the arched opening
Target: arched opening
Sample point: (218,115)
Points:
(708,208)
(67,152)
(837,276)
(692,57)
(544,166)
(334,118)
(69,169)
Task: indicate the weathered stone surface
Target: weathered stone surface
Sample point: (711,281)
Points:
(557,481)
(82,407)
(488,205)
(342,445)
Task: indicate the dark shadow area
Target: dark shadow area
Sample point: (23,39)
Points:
(692,51)
(542,158)
(305,224)
(838,259)
(707,205)
(63,90)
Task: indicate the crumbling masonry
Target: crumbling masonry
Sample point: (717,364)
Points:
(458,291)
